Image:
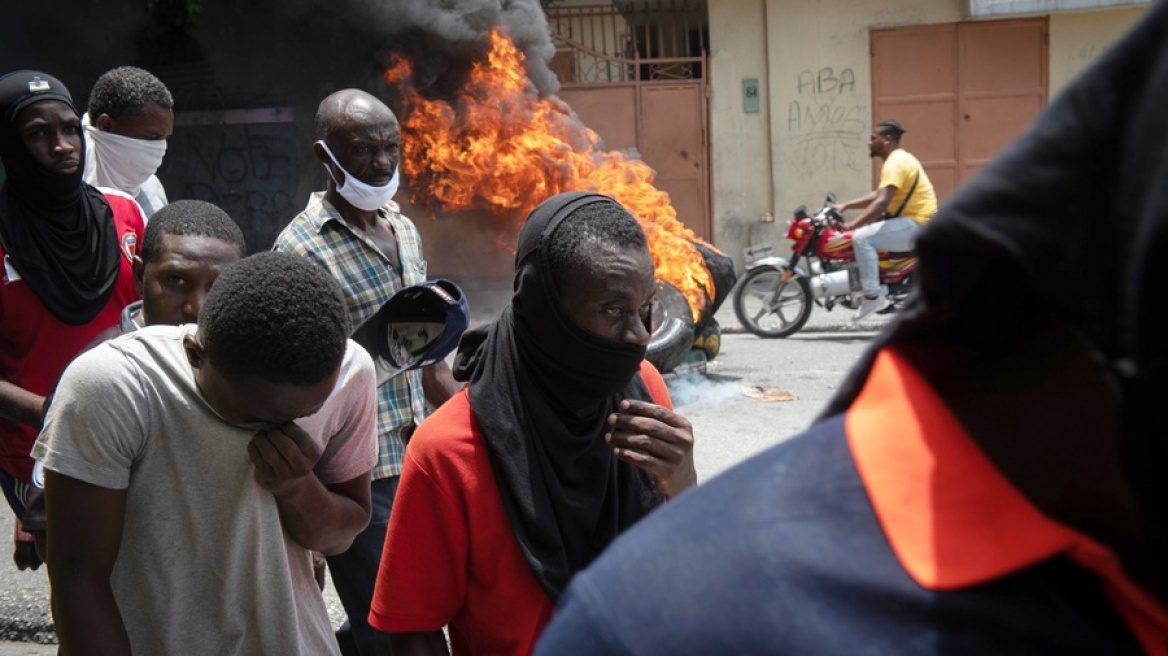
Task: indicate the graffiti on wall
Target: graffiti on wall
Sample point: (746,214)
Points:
(1082,54)
(247,169)
(826,126)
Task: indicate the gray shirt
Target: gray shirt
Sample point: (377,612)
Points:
(205,566)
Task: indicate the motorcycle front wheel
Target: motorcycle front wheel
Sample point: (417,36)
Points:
(769,307)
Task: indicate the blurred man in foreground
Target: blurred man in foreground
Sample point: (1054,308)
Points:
(978,486)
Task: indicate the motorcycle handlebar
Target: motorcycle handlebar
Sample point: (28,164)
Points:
(829,215)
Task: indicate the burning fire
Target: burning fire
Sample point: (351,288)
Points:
(499,147)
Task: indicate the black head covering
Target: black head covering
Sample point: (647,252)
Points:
(57,231)
(1069,222)
(541,390)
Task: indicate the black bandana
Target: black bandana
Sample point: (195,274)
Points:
(1071,221)
(58,232)
(541,390)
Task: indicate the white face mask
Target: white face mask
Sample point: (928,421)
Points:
(112,160)
(360,195)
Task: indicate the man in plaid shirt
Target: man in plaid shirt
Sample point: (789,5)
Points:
(356,232)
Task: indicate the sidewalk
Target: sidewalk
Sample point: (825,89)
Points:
(26,649)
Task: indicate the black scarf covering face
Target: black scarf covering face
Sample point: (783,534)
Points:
(1072,221)
(57,231)
(541,391)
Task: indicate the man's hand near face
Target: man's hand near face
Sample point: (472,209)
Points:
(320,517)
(657,440)
(283,457)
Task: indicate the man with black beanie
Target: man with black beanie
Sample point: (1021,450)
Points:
(66,250)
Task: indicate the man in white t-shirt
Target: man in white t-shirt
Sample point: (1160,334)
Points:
(129,117)
(190,469)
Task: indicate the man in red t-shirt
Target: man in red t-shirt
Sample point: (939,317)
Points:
(66,249)
(564,438)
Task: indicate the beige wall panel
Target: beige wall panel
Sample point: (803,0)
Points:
(915,83)
(1003,82)
(740,142)
(609,111)
(1077,39)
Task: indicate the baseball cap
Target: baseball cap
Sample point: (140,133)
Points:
(19,89)
(418,326)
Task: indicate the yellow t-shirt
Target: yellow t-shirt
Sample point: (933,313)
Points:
(898,171)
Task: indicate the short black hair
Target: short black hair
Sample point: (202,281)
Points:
(890,128)
(194,218)
(276,317)
(588,230)
(125,91)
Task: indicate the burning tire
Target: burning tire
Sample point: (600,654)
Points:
(673,329)
(707,332)
(708,338)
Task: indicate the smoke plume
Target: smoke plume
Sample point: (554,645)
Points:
(331,44)
(461,25)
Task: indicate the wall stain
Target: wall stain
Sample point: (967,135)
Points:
(248,170)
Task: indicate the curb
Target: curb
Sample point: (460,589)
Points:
(735,328)
(732,327)
(20,630)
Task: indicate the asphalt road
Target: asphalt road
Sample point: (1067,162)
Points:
(727,406)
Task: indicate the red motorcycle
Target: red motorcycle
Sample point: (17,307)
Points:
(774,298)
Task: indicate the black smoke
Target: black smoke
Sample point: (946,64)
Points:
(299,49)
(281,54)
(265,52)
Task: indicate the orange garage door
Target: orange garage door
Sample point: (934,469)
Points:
(963,91)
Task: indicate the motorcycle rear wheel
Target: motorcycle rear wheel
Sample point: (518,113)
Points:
(770,308)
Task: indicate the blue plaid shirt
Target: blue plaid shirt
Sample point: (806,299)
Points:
(368,280)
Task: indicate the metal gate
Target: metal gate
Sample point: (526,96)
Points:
(634,72)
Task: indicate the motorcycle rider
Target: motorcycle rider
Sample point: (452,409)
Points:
(894,212)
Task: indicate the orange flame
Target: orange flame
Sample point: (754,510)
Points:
(499,147)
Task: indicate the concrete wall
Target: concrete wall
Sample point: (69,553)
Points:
(814,56)
(1077,38)
(742,181)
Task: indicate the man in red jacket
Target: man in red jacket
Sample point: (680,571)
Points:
(66,249)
